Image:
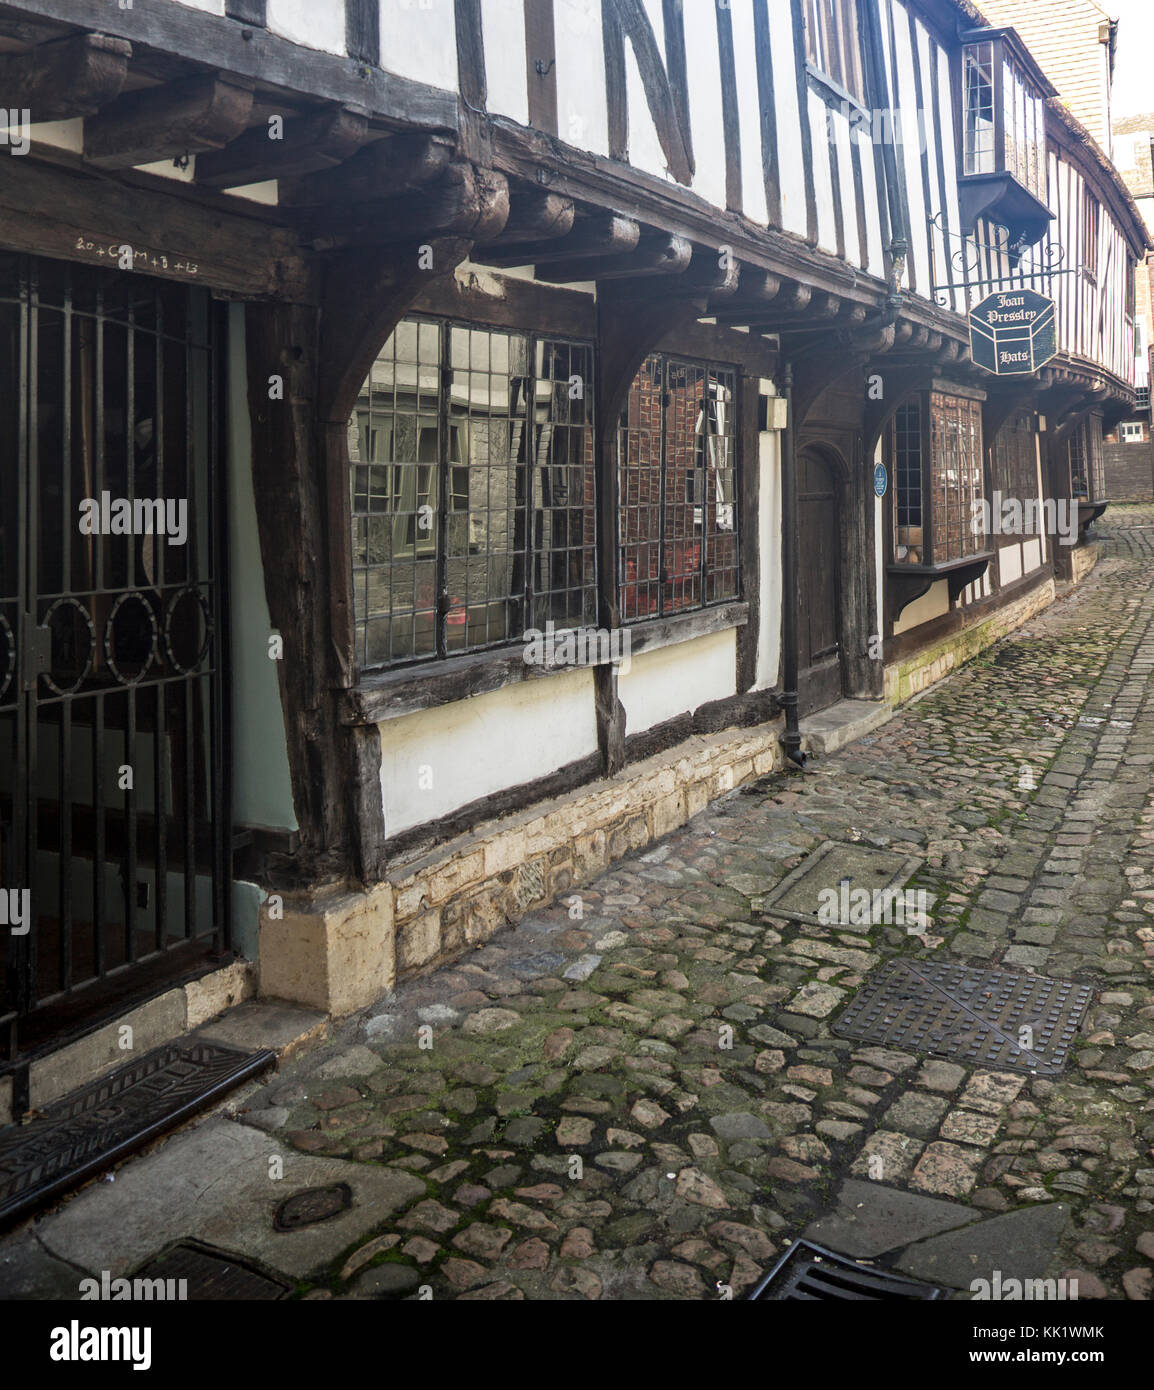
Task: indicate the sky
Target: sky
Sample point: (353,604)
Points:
(1133,89)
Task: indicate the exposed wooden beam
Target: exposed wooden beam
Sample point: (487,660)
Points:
(710,273)
(67,78)
(464,202)
(59,208)
(305,146)
(398,164)
(198,113)
(656,254)
(248,11)
(592,236)
(226,45)
(537,217)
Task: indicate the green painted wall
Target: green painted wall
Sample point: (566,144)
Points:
(261,789)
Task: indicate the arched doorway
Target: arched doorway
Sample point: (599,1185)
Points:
(819,583)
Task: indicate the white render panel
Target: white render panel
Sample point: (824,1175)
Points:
(841,134)
(216,6)
(645,150)
(749,116)
(909,152)
(503,30)
(582,113)
(877,265)
(1031,554)
(305,22)
(419,43)
(822,175)
(467,753)
(703,74)
(673,680)
(769,558)
(1009,564)
(790,158)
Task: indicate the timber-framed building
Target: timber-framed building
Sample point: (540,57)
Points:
(454,323)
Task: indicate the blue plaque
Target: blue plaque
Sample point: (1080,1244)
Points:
(881,480)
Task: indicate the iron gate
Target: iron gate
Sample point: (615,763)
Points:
(114,825)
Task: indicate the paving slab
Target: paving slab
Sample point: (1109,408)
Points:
(214,1183)
(871,1219)
(1020,1245)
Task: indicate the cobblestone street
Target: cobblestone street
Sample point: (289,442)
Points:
(678,1041)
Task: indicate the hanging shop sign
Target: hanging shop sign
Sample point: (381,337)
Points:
(1013,332)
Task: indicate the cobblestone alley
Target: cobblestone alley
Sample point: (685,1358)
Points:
(678,1040)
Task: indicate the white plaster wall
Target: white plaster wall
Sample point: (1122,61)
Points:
(769,559)
(672,680)
(1031,554)
(61,135)
(582,117)
(1009,564)
(503,30)
(209,6)
(419,43)
(822,173)
(934,604)
(791,166)
(645,150)
(703,73)
(318,24)
(479,746)
(749,115)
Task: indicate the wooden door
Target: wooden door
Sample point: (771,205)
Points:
(819,588)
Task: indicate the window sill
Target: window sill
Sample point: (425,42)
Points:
(383,695)
(911,582)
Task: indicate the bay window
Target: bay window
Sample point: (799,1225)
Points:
(935,451)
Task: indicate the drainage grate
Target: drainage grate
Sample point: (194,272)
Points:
(100,1123)
(811,1274)
(215,1275)
(990,1018)
(798,897)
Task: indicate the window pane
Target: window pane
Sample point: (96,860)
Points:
(978,70)
(907,494)
(678,490)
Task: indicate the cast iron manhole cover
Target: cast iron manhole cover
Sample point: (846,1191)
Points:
(990,1018)
(811,1274)
(211,1275)
(313,1205)
(833,866)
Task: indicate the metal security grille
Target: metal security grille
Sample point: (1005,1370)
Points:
(472,491)
(989,1018)
(677,480)
(113,813)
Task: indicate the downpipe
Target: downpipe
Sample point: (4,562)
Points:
(790,589)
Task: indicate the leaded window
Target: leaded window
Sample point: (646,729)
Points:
(677,516)
(471,454)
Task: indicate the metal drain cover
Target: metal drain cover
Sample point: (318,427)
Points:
(990,1018)
(811,1274)
(312,1205)
(215,1275)
(798,897)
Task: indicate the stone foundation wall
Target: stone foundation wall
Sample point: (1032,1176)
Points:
(910,677)
(1083,558)
(343,951)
